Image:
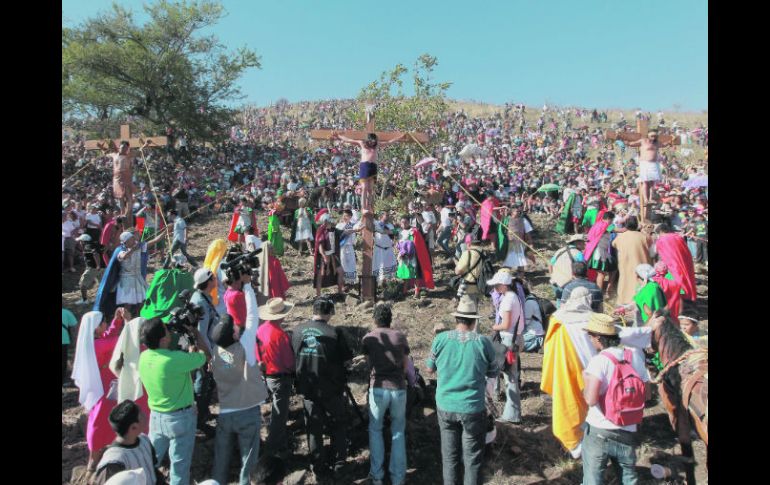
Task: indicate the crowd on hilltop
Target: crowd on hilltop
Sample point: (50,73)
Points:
(469,200)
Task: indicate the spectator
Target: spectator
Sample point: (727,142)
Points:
(68,321)
(92,252)
(204,385)
(320,351)
(179,241)
(241,389)
(387,352)
(131,449)
(604,439)
(463,359)
(579,279)
(166,377)
(276,357)
(560,266)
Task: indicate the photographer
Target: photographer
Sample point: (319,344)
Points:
(203,387)
(241,389)
(320,352)
(235,301)
(166,377)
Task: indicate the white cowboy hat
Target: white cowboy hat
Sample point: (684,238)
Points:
(275,309)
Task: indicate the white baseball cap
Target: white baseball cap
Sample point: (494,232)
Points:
(202,275)
(84,238)
(502,277)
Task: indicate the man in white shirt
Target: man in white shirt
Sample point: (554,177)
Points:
(604,439)
(179,240)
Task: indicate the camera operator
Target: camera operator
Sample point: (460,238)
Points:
(166,377)
(204,385)
(241,389)
(238,271)
(320,353)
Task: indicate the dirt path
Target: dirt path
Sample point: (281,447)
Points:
(524,454)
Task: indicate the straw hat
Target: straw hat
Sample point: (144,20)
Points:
(466,309)
(601,324)
(275,309)
(577,238)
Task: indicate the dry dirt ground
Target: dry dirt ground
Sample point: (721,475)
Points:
(523,454)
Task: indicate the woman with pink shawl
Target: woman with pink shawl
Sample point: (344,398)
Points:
(92,374)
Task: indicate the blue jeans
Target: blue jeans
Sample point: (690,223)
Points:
(380,401)
(174,432)
(462,433)
(244,426)
(598,446)
(443,239)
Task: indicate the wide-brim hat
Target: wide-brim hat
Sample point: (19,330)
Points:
(577,238)
(466,309)
(601,324)
(275,309)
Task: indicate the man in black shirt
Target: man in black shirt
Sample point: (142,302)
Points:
(92,251)
(320,353)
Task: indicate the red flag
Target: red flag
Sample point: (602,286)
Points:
(140,226)
(232,235)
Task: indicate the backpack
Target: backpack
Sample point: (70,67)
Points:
(623,404)
(546,309)
(487,273)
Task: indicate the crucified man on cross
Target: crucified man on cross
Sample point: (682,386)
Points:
(367,169)
(649,167)
(122,178)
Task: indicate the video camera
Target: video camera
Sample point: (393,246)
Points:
(237,264)
(184,317)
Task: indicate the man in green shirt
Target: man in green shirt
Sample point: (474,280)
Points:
(166,377)
(464,360)
(68,320)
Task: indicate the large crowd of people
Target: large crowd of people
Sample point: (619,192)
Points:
(626,265)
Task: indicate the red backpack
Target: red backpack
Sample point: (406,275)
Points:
(623,404)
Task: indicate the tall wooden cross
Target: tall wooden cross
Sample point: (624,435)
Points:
(642,127)
(367,196)
(110,146)
(125,134)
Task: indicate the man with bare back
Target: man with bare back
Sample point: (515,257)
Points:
(122,178)
(649,167)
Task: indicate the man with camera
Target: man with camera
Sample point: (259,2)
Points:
(320,353)
(204,385)
(241,389)
(166,377)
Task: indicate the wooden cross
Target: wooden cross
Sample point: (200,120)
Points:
(125,134)
(641,131)
(367,197)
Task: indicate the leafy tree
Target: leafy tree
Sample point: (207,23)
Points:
(164,71)
(419,110)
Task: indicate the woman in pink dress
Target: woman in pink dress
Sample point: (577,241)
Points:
(92,374)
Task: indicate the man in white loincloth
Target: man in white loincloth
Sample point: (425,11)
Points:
(649,167)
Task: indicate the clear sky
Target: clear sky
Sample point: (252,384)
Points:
(651,54)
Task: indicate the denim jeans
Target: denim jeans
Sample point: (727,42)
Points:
(598,446)
(443,239)
(203,388)
(277,438)
(380,401)
(512,409)
(174,432)
(243,425)
(464,433)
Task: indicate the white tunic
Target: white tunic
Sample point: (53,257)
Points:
(132,286)
(347,252)
(384,262)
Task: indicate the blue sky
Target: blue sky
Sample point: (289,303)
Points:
(651,54)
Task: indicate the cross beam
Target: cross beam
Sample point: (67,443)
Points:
(642,127)
(125,134)
(361,135)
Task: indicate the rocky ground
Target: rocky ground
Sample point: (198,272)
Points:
(522,454)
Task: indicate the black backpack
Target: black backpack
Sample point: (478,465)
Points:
(486,274)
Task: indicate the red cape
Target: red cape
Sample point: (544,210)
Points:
(487,208)
(232,235)
(423,258)
(595,235)
(673,250)
(139,225)
(671,291)
(279,285)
